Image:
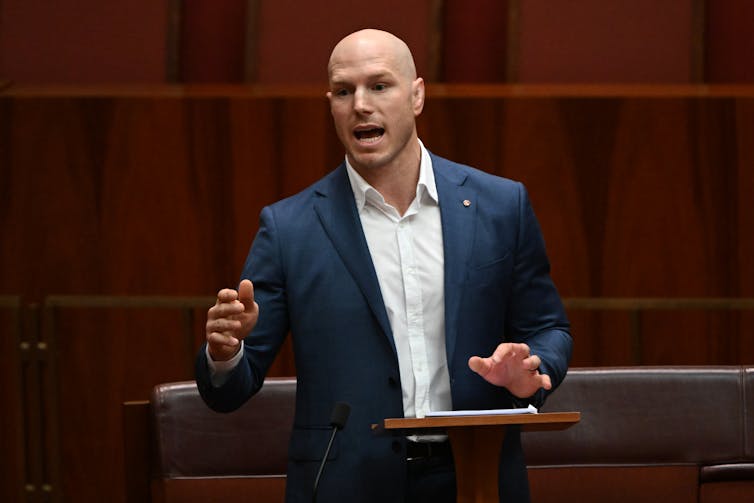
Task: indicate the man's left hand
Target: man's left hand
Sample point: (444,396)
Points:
(513,367)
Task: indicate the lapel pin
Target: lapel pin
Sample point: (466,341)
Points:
(466,203)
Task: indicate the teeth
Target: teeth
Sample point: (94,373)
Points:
(369,135)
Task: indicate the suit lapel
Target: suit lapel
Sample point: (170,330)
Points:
(337,212)
(458,207)
(339,217)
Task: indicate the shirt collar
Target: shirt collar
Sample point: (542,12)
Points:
(425,185)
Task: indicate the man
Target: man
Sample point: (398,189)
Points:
(394,274)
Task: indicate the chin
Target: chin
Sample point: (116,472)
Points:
(370,160)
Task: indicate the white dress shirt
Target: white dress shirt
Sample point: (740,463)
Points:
(407,253)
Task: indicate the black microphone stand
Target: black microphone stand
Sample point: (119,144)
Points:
(337,421)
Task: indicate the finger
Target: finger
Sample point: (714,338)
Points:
(225,310)
(224,325)
(246,294)
(481,366)
(222,339)
(546,382)
(222,347)
(502,351)
(521,350)
(226,295)
(532,363)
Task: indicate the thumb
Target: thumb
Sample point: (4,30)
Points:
(246,294)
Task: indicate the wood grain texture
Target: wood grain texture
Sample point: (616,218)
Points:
(594,41)
(12,428)
(640,191)
(545,421)
(729,41)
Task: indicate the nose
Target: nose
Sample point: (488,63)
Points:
(361,101)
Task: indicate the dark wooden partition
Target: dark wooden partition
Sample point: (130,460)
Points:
(640,191)
(12,431)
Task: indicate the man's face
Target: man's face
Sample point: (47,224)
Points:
(374,104)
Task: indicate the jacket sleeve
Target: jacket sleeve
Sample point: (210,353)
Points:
(264,268)
(536,313)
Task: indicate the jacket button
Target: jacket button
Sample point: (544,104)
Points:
(396,446)
(392,382)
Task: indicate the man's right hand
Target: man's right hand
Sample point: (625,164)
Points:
(232,317)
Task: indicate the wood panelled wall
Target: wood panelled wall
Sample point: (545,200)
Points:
(12,448)
(286,41)
(640,191)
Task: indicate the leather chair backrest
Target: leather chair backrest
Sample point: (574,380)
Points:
(647,415)
(194,441)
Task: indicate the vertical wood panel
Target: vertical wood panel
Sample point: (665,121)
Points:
(699,42)
(251,46)
(295,38)
(436,40)
(174,34)
(476,37)
(306,132)
(594,41)
(513,49)
(744,216)
(213,41)
(83,41)
(475,143)
(666,207)
(729,41)
(12,460)
(107,357)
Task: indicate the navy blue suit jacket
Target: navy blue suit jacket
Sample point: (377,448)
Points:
(313,277)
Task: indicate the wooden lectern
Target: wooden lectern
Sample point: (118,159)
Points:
(476,442)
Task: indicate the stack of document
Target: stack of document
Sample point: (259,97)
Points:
(490,412)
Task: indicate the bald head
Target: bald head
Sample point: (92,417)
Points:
(366,45)
(375,98)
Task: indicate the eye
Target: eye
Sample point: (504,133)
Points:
(380,87)
(341,92)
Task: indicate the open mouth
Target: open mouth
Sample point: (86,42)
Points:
(370,135)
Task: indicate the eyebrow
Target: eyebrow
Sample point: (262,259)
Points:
(382,75)
(377,76)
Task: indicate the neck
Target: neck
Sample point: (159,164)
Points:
(399,193)
(396,181)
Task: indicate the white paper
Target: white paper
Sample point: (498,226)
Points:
(491,412)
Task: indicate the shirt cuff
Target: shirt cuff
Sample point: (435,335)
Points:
(219,371)
(537,400)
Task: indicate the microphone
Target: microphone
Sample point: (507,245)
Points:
(338,420)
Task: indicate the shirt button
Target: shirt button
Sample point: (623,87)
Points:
(392,382)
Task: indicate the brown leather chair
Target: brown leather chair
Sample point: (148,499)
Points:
(671,434)
(734,481)
(647,434)
(196,454)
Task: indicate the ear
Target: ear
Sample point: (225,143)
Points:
(417,96)
(329,100)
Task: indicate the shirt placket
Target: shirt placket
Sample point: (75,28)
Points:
(414,318)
